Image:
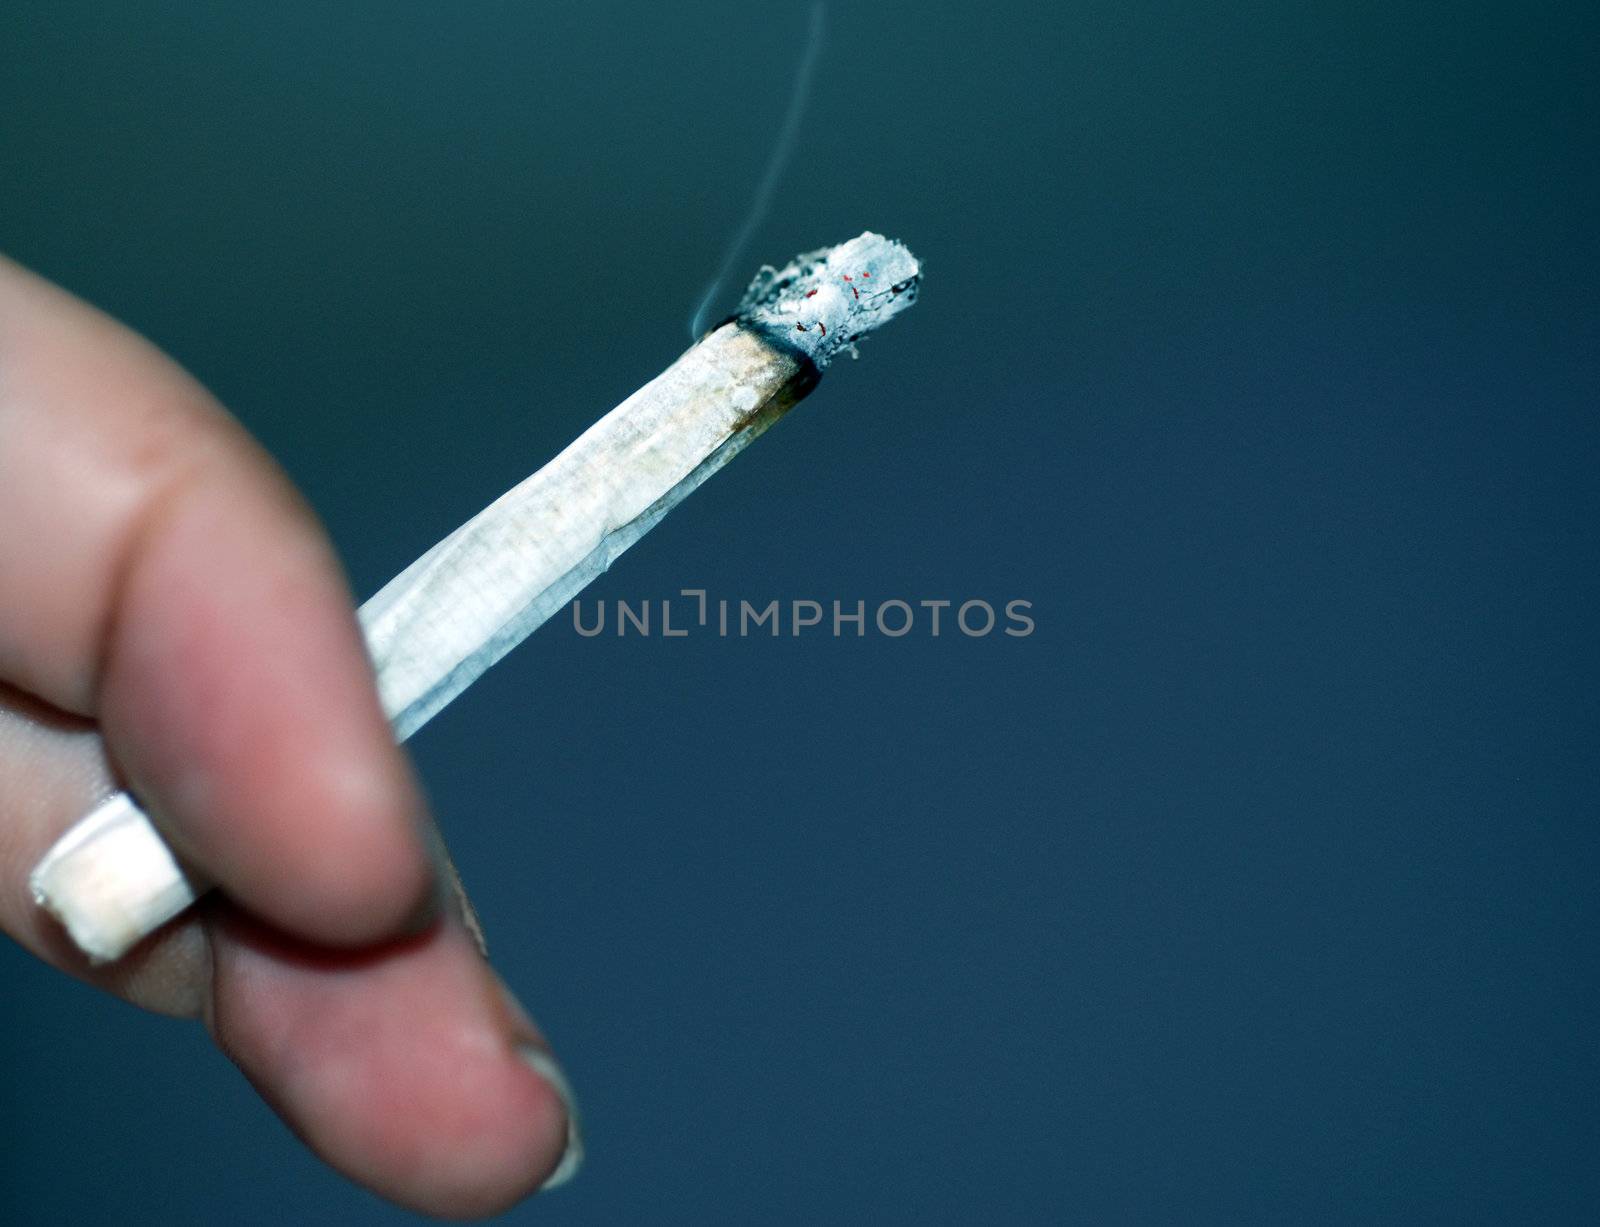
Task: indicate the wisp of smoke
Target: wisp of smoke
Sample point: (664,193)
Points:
(762,201)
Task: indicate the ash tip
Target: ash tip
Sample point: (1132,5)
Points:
(824,301)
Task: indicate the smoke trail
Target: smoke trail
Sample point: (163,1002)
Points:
(762,201)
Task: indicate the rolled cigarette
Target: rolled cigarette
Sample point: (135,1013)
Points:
(111,880)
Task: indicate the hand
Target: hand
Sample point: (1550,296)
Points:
(173,620)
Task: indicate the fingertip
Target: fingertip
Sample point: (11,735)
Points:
(572,1152)
(353,858)
(495,1132)
(400,1068)
(510,1149)
(361,886)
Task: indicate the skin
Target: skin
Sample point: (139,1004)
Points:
(174,620)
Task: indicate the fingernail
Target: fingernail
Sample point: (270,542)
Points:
(545,1066)
(464,908)
(452,893)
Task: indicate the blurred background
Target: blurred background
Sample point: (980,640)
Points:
(1258,350)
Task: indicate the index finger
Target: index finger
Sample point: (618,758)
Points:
(161,576)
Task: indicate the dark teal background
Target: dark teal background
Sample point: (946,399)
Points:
(1258,350)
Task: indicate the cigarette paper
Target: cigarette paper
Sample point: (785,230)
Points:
(111,880)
